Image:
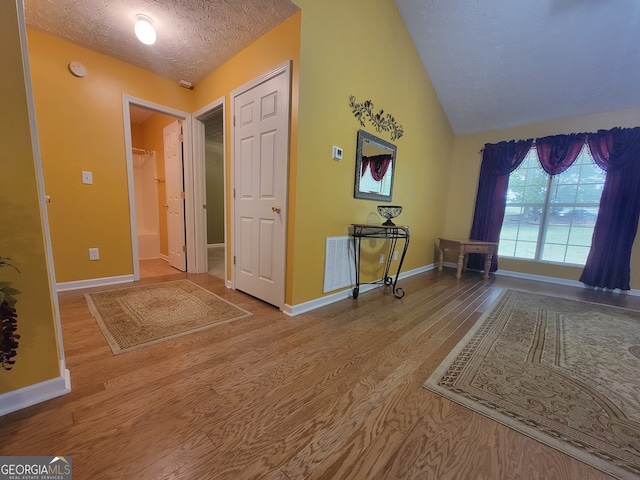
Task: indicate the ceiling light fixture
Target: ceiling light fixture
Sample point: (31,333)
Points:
(144,29)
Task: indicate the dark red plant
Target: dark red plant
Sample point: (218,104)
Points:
(9,337)
(8,320)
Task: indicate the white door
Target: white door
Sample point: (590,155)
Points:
(174,184)
(261,149)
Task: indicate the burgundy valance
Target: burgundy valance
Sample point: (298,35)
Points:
(377,164)
(558,152)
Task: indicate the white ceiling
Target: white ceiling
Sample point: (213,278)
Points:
(493,63)
(500,63)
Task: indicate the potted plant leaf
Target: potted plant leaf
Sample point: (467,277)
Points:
(8,320)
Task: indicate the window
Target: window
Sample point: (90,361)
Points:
(551,218)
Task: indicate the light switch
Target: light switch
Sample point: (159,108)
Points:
(87,177)
(336,153)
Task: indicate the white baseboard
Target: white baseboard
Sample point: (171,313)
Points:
(560,281)
(93,282)
(342,294)
(215,245)
(294,310)
(40,392)
(164,257)
(546,279)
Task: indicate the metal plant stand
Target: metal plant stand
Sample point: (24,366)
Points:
(386,232)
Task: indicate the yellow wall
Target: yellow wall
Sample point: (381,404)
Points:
(350,48)
(333,56)
(337,49)
(80,124)
(466,169)
(22,239)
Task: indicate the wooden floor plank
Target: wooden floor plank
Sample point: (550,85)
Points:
(332,393)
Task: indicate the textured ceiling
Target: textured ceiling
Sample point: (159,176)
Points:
(493,63)
(194,36)
(500,63)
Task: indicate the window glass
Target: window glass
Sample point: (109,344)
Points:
(548,218)
(525,202)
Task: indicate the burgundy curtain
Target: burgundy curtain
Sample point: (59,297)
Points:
(365,165)
(498,161)
(617,151)
(558,152)
(378,165)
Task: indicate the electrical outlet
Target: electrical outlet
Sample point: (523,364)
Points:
(382,258)
(395,254)
(94,254)
(87,178)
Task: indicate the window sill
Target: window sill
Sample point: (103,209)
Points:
(544,262)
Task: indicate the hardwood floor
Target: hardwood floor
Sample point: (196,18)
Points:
(334,393)
(156,267)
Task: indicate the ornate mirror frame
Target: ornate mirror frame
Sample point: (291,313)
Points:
(375,157)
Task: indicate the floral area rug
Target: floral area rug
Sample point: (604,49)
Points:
(564,372)
(136,317)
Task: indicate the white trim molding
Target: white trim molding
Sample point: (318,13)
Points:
(200,182)
(546,279)
(33,394)
(93,282)
(560,281)
(294,310)
(12,401)
(185,117)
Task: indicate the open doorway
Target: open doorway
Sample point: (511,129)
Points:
(214,169)
(210,184)
(152,150)
(159,118)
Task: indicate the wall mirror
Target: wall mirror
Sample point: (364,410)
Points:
(375,168)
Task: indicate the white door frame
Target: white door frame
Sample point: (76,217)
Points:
(127,102)
(32,394)
(284,67)
(200,184)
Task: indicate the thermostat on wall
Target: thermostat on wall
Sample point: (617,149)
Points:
(78,69)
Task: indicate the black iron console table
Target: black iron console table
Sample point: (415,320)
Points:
(392,233)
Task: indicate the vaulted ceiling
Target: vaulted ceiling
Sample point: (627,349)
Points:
(500,63)
(493,63)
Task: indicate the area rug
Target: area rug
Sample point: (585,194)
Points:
(564,372)
(136,317)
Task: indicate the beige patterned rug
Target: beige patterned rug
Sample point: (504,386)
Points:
(136,317)
(564,372)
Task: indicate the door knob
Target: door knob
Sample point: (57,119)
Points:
(276,209)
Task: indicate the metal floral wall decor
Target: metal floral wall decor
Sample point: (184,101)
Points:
(381,122)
